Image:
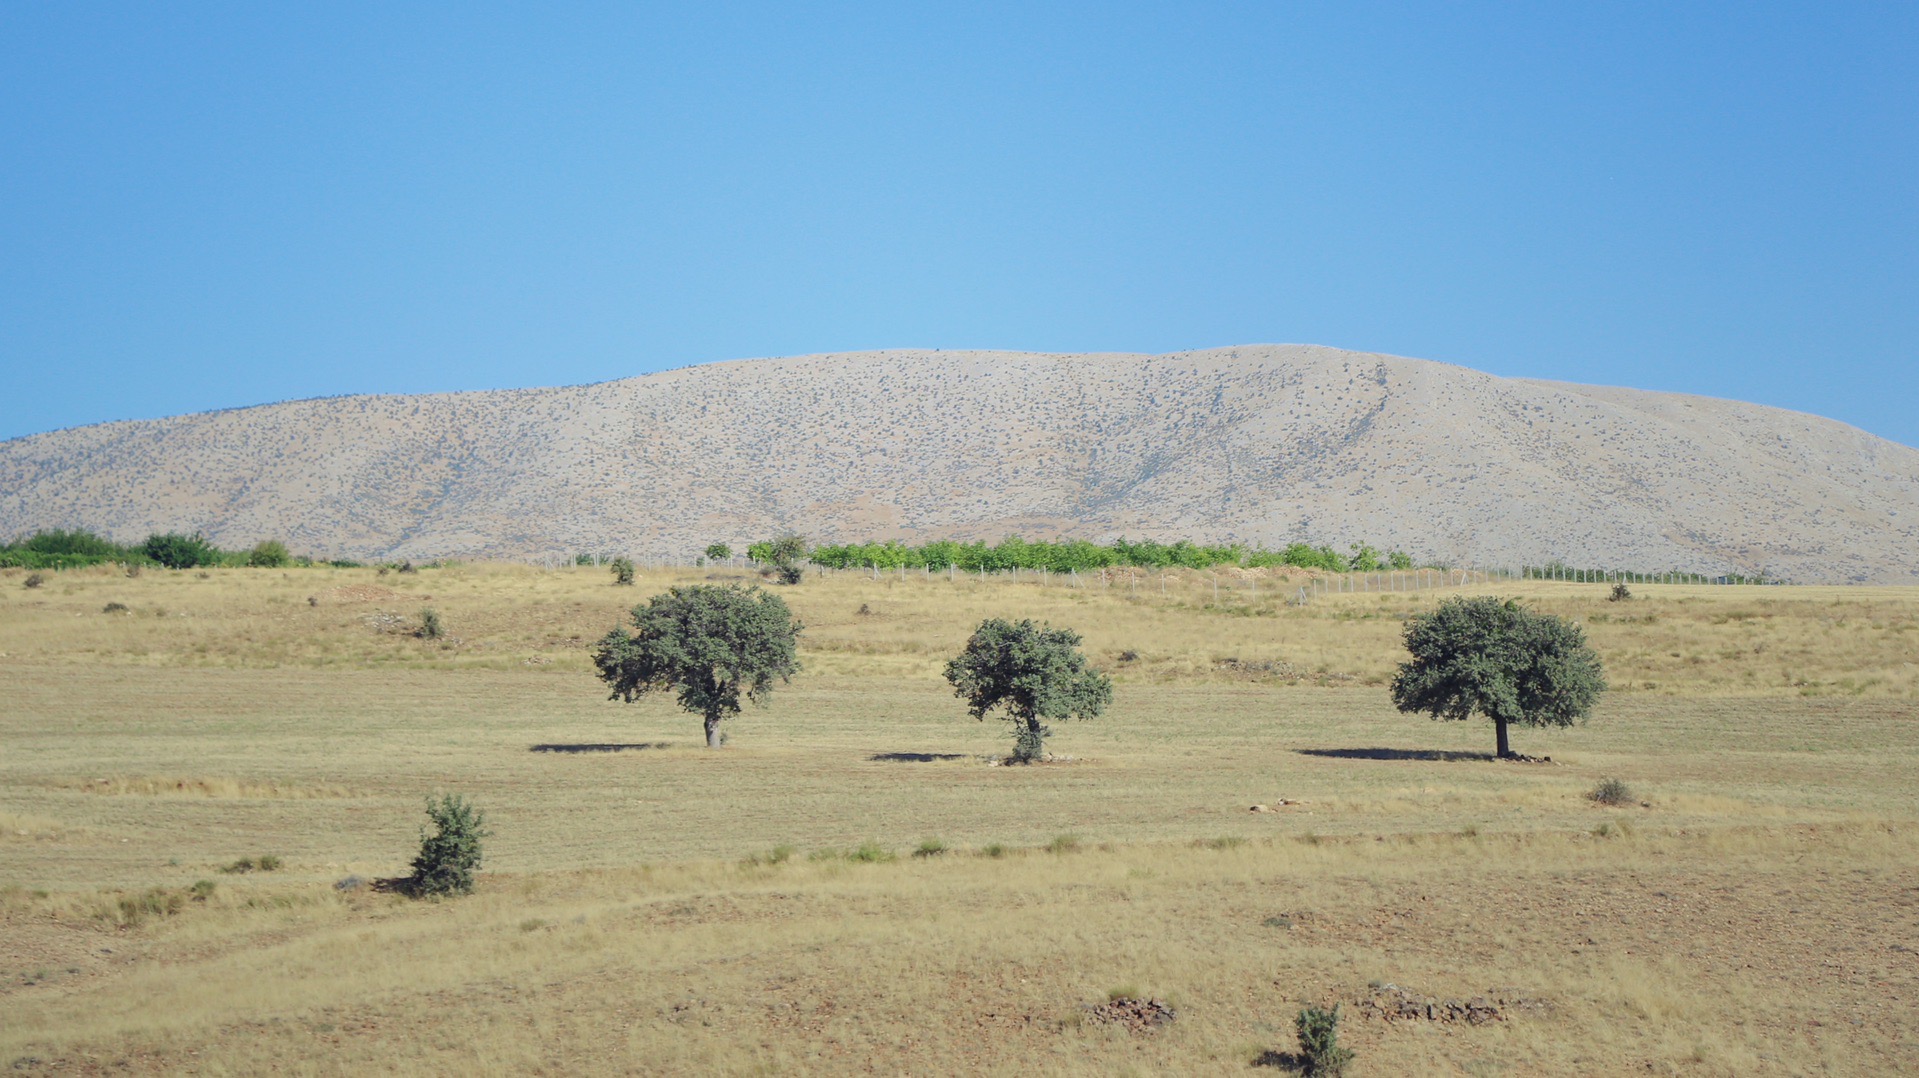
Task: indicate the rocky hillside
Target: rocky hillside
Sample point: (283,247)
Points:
(1265,444)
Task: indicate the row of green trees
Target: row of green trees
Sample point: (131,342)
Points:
(1080,555)
(61,549)
(716,647)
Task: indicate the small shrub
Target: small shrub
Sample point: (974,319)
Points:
(622,571)
(132,571)
(993,850)
(114,608)
(269,554)
(450,854)
(1063,844)
(407,567)
(1124,991)
(931,847)
(870,853)
(1129,656)
(788,574)
(202,890)
(268,863)
(776,856)
(1319,1048)
(1223,842)
(719,552)
(1611,792)
(1620,593)
(134,910)
(34,580)
(430,627)
(865,611)
(243,865)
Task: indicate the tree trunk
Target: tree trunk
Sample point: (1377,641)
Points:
(713,731)
(1505,748)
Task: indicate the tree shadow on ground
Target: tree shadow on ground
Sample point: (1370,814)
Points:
(1290,1061)
(916,757)
(1398,754)
(588,746)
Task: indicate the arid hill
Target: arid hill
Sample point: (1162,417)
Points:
(1264,443)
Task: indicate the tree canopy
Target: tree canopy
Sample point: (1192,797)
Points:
(1496,658)
(713,644)
(1031,671)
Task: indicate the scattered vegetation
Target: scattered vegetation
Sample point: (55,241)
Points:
(450,854)
(263,863)
(784,558)
(430,627)
(1034,672)
(930,847)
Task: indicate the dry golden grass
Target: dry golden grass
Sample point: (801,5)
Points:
(1751,917)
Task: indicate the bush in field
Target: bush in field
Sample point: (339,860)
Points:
(269,554)
(1612,792)
(430,627)
(177,551)
(1319,1050)
(1496,658)
(622,571)
(1620,593)
(714,644)
(719,552)
(783,556)
(34,580)
(1034,673)
(451,852)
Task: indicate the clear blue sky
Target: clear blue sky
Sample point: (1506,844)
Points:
(205,205)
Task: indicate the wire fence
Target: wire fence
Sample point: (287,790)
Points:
(1220,584)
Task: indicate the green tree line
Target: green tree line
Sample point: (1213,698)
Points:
(58,548)
(1079,555)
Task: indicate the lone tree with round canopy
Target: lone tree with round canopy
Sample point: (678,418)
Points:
(1033,672)
(714,644)
(1498,659)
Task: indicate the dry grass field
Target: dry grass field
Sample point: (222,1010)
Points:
(649,906)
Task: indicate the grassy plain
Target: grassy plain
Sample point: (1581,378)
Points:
(650,906)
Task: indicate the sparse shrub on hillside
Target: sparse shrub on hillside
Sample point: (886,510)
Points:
(711,643)
(1620,593)
(622,571)
(1033,672)
(177,551)
(1611,792)
(1320,1053)
(1496,658)
(430,627)
(269,554)
(450,854)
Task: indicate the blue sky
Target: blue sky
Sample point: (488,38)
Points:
(206,206)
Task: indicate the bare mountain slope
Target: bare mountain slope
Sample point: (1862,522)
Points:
(1262,443)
